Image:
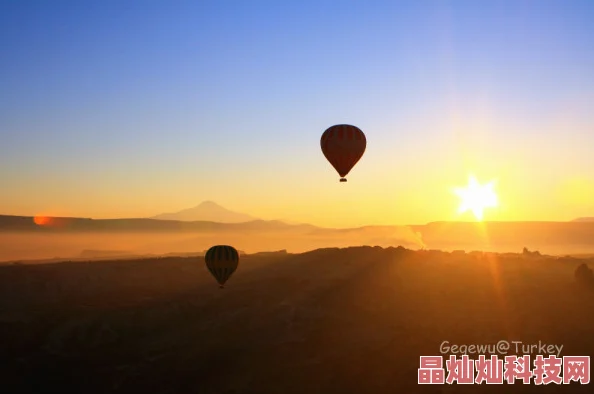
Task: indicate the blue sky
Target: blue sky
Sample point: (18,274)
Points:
(150,106)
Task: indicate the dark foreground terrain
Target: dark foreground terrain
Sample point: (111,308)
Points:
(350,320)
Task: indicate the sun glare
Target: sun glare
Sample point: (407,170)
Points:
(476,197)
(41,220)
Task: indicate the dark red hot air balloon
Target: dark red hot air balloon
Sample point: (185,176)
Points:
(343,145)
(222,261)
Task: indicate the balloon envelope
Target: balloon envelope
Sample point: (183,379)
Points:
(222,261)
(343,146)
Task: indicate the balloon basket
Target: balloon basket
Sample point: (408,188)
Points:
(343,179)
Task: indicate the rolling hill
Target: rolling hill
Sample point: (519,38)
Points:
(67,224)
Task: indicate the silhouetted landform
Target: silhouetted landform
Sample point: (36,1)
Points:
(585,276)
(65,224)
(528,253)
(208,211)
(275,253)
(89,256)
(104,253)
(586,219)
(331,320)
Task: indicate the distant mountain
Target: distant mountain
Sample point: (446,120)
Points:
(63,224)
(291,222)
(208,211)
(87,253)
(585,219)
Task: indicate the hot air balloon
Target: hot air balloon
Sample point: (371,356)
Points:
(221,261)
(343,145)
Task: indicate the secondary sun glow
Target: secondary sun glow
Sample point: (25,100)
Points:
(41,220)
(476,197)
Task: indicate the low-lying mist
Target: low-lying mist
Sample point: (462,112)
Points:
(34,246)
(553,238)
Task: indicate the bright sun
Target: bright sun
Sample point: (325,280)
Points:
(476,197)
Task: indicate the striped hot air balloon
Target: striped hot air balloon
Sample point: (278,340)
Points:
(222,261)
(343,145)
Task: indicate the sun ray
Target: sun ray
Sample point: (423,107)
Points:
(475,198)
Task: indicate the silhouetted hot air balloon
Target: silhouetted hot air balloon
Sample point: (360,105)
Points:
(222,261)
(343,145)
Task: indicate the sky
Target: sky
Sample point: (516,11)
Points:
(133,108)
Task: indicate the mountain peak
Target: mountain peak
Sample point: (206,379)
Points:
(208,203)
(206,211)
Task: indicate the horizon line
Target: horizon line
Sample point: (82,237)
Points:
(286,222)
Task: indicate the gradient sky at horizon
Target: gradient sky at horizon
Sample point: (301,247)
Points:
(133,108)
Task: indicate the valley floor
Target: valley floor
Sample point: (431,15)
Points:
(350,320)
